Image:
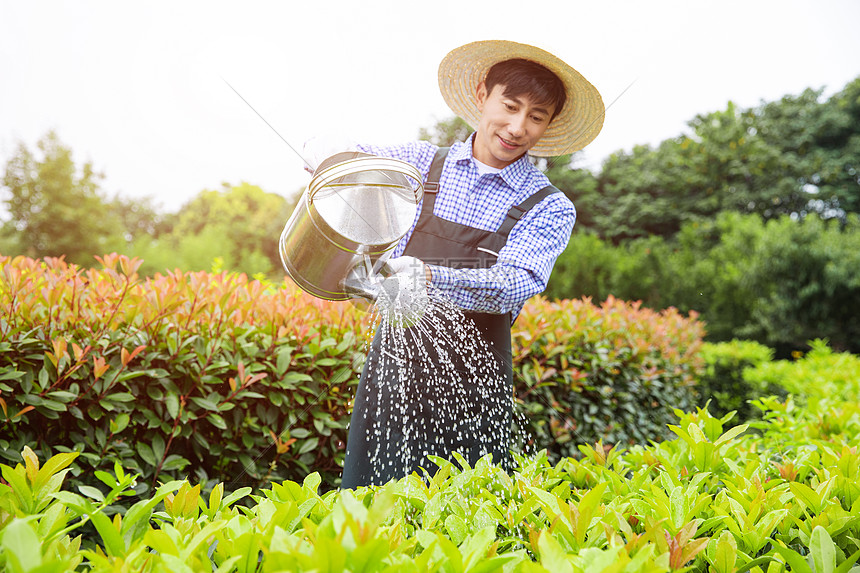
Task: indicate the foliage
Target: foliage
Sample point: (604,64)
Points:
(723,386)
(781,282)
(817,377)
(613,373)
(213,370)
(232,379)
(717,498)
(237,225)
(55,207)
(797,156)
(446,132)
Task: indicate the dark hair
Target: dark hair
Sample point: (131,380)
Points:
(525,77)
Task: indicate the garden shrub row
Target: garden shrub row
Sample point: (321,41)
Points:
(738,372)
(226,379)
(717,498)
(780,282)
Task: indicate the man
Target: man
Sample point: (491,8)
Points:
(487,235)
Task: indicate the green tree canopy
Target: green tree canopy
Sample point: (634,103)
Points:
(56,208)
(446,132)
(798,156)
(236,225)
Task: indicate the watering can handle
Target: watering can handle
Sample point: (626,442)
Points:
(371,163)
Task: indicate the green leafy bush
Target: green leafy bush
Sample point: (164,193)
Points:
(208,374)
(612,373)
(229,379)
(723,386)
(780,283)
(716,498)
(818,379)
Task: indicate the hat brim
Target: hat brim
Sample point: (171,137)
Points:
(580,120)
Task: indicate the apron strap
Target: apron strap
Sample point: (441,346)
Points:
(431,185)
(517,211)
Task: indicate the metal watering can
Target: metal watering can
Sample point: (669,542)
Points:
(354,211)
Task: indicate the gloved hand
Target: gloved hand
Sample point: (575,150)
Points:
(408,266)
(403,293)
(318,149)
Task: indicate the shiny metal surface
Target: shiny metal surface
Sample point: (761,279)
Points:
(353,209)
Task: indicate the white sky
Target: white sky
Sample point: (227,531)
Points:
(137,88)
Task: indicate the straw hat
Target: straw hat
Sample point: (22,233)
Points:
(576,126)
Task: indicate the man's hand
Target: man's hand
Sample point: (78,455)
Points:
(403,293)
(318,149)
(408,267)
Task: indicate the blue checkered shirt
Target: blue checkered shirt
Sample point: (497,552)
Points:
(524,264)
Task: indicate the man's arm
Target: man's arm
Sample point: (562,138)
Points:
(524,264)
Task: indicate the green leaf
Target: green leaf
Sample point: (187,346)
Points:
(106,478)
(154,392)
(56,463)
(119,423)
(732,433)
(795,560)
(19,485)
(62,395)
(171,402)
(552,556)
(174,462)
(284,357)
(73,501)
(810,499)
(113,541)
(215,497)
(309,445)
(848,565)
(235,496)
(205,403)
(21,545)
(456,528)
(91,492)
(144,450)
(217,421)
(725,553)
(822,550)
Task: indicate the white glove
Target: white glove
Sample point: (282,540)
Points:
(402,296)
(318,149)
(408,266)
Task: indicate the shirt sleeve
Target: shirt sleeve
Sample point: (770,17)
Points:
(418,153)
(523,267)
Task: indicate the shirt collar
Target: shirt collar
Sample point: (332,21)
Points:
(514,174)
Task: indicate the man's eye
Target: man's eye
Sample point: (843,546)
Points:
(510,107)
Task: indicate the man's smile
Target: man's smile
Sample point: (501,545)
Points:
(507,144)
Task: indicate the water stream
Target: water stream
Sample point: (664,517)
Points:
(438,383)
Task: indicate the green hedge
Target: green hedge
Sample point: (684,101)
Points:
(715,499)
(612,373)
(723,386)
(228,379)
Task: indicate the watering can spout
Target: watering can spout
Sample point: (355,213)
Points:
(361,282)
(356,287)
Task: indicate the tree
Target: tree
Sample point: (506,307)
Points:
(55,208)
(580,186)
(820,147)
(446,132)
(238,226)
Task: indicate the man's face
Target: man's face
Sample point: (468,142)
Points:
(509,126)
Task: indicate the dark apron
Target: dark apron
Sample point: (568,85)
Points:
(399,418)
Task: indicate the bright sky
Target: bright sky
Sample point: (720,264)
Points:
(137,88)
